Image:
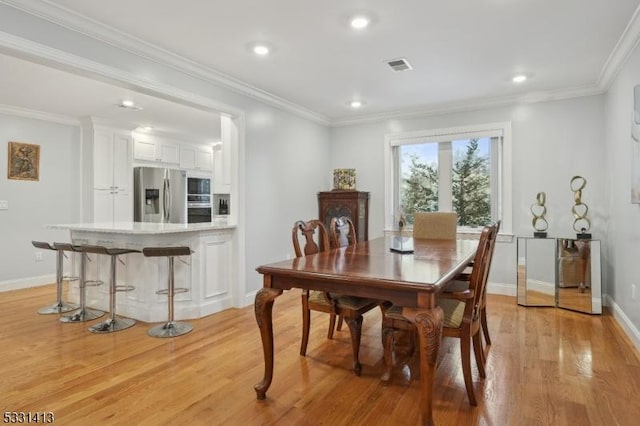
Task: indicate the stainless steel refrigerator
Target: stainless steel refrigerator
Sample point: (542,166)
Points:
(160,195)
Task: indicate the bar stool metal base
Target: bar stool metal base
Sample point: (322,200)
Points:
(170,329)
(82,315)
(57,308)
(111,325)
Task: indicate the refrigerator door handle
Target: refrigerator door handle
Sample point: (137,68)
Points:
(165,196)
(169,199)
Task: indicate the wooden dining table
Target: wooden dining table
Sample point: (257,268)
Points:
(371,269)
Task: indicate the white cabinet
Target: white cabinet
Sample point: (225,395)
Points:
(210,273)
(148,148)
(112,175)
(222,164)
(196,157)
(217,266)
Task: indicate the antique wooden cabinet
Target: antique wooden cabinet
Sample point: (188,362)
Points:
(354,204)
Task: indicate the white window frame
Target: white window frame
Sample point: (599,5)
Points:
(504,156)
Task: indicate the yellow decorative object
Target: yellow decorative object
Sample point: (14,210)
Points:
(344,179)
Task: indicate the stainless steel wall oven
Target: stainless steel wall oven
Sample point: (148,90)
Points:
(198,200)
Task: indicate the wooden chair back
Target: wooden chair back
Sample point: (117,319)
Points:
(342,232)
(312,234)
(492,238)
(480,272)
(435,225)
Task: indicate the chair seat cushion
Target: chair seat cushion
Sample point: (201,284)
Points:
(344,302)
(453,311)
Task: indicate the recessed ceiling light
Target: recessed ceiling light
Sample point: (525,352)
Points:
(146,128)
(360,22)
(261,49)
(129,104)
(355,104)
(520,78)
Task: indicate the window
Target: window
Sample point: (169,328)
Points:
(466,170)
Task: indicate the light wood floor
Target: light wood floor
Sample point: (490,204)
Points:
(546,367)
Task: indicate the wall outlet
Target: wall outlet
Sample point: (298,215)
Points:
(38,256)
(4,204)
(634,292)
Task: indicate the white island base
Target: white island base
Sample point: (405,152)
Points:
(207,273)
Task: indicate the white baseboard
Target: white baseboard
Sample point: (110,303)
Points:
(624,321)
(542,287)
(27,282)
(502,288)
(249,298)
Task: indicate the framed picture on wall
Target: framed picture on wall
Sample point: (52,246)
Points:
(23,161)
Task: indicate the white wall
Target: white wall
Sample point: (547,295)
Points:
(552,141)
(34,204)
(624,227)
(287,163)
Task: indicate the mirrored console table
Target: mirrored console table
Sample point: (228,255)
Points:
(536,271)
(562,272)
(579,285)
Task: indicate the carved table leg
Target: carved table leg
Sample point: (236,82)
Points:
(263,306)
(355,327)
(428,323)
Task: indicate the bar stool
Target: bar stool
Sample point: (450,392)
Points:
(60,306)
(83,313)
(171,328)
(113,323)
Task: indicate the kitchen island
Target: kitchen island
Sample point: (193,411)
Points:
(208,273)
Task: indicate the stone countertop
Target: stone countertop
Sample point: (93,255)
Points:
(145,227)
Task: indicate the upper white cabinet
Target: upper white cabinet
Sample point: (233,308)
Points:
(196,157)
(112,160)
(109,170)
(148,148)
(222,164)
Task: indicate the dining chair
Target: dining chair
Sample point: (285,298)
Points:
(313,235)
(461,316)
(342,232)
(435,225)
(461,283)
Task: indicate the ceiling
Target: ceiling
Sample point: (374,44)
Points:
(462,51)
(37,87)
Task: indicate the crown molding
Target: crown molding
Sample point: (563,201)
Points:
(39,115)
(472,105)
(74,21)
(71,20)
(621,51)
(54,57)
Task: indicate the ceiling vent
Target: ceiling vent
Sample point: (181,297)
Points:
(399,64)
